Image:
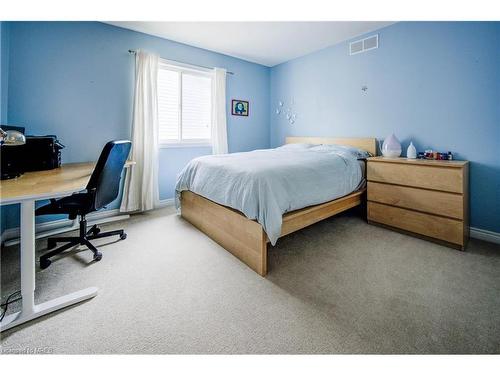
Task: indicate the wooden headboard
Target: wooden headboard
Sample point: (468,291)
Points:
(367,144)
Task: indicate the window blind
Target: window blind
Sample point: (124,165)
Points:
(184,105)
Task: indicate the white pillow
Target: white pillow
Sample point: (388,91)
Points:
(354,151)
(296,146)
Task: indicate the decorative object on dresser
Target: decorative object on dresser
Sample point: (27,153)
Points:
(429,198)
(391,148)
(411,152)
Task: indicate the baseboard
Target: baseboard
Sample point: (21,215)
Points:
(485,235)
(165,203)
(11,236)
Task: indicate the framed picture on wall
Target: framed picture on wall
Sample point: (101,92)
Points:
(239,107)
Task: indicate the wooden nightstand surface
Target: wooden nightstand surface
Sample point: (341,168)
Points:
(426,162)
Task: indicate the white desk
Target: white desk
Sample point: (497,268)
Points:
(27,189)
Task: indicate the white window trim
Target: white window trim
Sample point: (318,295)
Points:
(187,144)
(183,66)
(194,70)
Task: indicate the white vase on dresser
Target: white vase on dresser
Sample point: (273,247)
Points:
(411,152)
(391,148)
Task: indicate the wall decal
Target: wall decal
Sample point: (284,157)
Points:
(288,112)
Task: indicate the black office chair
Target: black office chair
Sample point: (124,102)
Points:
(101,190)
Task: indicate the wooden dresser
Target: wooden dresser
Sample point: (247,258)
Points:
(429,198)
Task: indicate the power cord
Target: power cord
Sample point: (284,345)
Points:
(5,305)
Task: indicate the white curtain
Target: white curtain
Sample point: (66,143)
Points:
(141,185)
(219,128)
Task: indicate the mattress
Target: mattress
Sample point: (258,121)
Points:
(362,183)
(265,184)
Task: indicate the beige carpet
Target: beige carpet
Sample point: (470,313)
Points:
(340,286)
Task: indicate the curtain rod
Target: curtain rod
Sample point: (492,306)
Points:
(133,52)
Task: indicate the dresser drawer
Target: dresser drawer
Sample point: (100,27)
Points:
(431,201)
(441,228)
(429,177)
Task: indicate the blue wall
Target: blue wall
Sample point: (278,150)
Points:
(437,84)
(75,79)
(4,68)
(4,64)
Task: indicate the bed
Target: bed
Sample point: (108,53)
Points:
(247,235)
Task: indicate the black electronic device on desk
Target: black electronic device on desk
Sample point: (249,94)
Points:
(42,153)
(37,154)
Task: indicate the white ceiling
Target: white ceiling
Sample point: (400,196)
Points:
(266,43)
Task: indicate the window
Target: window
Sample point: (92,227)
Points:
(184,105)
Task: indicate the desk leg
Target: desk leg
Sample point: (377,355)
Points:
(29,310)
(28,257)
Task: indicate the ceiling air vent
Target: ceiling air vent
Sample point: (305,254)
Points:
(363,45)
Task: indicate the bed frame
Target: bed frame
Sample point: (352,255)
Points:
(245,238)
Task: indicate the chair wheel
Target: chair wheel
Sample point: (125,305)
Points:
(44,263)
(50,244)
(96,231)
(123,236)
(97,256)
